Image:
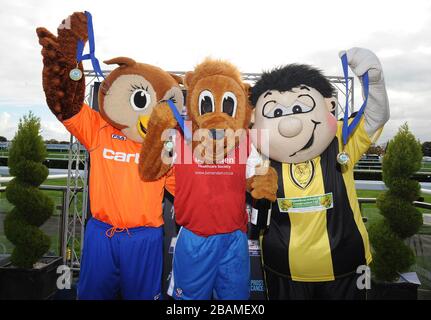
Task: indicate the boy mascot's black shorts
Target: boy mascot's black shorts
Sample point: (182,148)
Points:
(284,288)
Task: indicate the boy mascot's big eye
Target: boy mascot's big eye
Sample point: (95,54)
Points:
(140,99)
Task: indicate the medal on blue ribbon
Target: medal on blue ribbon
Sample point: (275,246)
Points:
(76,73)
(343,157)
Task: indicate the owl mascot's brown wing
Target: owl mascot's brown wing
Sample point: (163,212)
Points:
(63,95)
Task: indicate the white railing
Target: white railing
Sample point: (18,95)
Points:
(50,177)
(380,185)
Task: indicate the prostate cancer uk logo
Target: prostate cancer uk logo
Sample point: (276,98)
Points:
(256,285)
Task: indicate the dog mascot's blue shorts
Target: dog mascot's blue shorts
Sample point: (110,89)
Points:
(217,267)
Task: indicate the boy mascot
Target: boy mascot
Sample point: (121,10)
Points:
(211,254)
(316,239)
(123,240)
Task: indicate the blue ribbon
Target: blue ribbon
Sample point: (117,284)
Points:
(91,55)
(348,129)
(180,120)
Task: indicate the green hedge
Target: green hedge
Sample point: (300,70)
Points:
(31,206)
(401,219)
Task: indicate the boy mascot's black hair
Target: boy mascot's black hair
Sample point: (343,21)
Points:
(290,76)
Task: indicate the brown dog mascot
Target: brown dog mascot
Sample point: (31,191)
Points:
(211,254)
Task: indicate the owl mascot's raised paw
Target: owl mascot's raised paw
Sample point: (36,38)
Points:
(63,95)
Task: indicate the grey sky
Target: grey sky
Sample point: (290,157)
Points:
(254,35)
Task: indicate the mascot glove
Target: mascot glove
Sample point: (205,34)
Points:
(162,117)
(362,60)
(265,186)
(377,111)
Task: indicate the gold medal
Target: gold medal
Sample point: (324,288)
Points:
(343,158)
(75,74)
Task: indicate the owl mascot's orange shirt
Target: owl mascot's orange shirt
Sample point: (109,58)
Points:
(117,194)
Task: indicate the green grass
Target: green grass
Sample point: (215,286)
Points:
(376,193)
(56,196)
(373,215)
(53,232)
(426,167)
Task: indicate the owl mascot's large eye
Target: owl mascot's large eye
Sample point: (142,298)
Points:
(140,99)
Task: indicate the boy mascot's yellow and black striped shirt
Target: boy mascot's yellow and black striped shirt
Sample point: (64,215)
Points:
(316,231)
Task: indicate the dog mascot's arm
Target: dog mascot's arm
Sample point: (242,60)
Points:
(263,186)
(376,113)
(154,160)
(64,96)
(262,179)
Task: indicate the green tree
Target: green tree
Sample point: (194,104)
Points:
(31,207)
(51,141)
(401,219)
(374,149)
(3,139)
